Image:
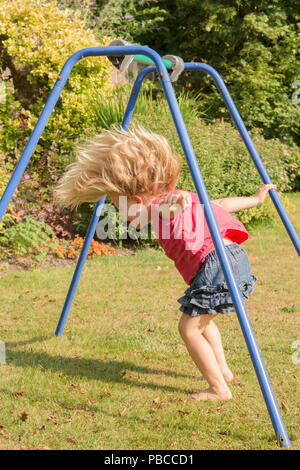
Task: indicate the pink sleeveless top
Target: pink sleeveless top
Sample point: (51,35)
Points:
(186,238)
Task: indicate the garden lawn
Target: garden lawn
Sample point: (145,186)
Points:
(119,377)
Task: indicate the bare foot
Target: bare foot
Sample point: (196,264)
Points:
(210,394)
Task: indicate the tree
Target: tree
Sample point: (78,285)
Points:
(253,44)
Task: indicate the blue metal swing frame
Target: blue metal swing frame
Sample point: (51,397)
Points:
(243,318)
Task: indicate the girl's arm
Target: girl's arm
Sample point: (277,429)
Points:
(170,206)
(235,204)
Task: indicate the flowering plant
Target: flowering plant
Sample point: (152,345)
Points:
(71,248)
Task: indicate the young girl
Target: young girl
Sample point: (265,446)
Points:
(140,165)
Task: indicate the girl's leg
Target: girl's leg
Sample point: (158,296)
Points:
(191,330)
(213,336)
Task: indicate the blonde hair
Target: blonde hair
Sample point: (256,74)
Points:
(118,162)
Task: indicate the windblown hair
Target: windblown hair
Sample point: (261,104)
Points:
(118,162)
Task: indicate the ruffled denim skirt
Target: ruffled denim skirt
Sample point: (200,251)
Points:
(209,293)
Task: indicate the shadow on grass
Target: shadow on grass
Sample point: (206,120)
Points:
(110,371)
(36,339)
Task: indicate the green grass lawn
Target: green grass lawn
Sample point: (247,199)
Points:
(119,377)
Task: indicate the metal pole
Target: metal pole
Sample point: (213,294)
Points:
(81,261)
(79,267)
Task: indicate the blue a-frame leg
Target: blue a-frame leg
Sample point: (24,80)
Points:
(262,376)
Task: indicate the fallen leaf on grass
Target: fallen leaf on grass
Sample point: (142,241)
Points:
(42,428)
(159,403)
(162,404)
(18,394)
(219,407)
(74,440)
(53,419)
(127,374)
(236,381)
(284,406)
(3,434)
(75,412)
(123,411)
(93,400)
(23,416)
(30,448)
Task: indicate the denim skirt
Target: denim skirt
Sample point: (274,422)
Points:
(209,293)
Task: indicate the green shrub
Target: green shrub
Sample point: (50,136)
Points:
(122,234)
(151,103)
(129,18)
(29,237)
(254,45)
